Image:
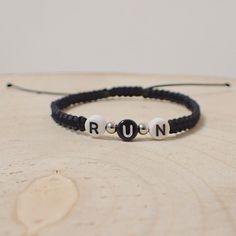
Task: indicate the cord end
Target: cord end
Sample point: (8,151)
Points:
(8,85)
(227,84)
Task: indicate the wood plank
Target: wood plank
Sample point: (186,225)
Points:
(57,182)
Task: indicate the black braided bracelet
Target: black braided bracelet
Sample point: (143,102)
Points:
(127,129)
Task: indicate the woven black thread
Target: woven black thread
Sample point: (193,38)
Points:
(78,122)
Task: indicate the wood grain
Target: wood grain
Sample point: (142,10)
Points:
(185,185)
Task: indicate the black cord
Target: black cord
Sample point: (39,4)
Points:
(10,85)
(191,84)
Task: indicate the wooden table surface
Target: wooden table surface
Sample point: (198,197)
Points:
(57,182)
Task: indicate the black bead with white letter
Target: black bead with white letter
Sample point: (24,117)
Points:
(127,130)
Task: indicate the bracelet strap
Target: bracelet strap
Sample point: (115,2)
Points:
(78,122)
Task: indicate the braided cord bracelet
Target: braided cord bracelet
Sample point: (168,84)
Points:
(126,129)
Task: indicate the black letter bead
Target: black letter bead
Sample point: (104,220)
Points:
(127,130)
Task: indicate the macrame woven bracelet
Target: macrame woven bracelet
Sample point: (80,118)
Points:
(126,129)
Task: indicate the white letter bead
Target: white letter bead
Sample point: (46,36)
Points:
(159,128)
(95,125)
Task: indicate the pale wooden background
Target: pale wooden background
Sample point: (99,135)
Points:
(57,182)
